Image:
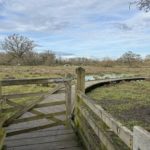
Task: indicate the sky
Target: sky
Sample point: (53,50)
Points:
(78,28)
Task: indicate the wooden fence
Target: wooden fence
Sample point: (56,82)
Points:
(98,129)
(13,110)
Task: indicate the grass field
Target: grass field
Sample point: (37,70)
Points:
(128,105)
(7,72)
(129,102)
(17,72)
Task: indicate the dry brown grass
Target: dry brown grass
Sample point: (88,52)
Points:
(60,71)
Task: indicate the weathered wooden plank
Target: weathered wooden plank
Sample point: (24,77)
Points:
(50,104)
(2,137)
(41,140)
(52,118)
(124,133)
(41,133)
(51,146)
(22,95)
(85,143)
(38,105)
(11,82)
(80,86)
(68,101)
(38,117)
(80,79)
(55,145)
(34,128)
(87,138)
(98,131)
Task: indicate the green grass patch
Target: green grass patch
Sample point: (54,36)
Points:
(129,102)
(26,88)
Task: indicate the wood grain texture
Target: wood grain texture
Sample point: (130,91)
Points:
(12,82)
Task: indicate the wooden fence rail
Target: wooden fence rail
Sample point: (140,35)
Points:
(11,82)
(91,121)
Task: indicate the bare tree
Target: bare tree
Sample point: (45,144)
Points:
(130,58)
(107,62)
(17,45)
(143,4)
(48,58)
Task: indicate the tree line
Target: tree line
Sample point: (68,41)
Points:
(19,50)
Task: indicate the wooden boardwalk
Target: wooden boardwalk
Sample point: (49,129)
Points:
(52,138)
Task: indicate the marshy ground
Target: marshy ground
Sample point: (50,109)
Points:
(129,102)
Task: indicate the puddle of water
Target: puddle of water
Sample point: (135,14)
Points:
(105,76)
(89,78)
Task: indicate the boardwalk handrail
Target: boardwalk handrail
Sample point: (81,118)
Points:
(90,118)
(10,82)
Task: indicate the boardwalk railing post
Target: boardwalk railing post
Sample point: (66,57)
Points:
(80,86)
(68,98)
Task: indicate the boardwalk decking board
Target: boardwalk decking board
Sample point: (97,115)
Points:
(41,134)
(44,139)
(50,146)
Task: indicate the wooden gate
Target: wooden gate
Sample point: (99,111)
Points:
(12,108)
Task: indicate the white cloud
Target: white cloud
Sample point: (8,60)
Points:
(86,25)
(46,16)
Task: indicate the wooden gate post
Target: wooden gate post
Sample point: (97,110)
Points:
(68,99)
(80,86)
